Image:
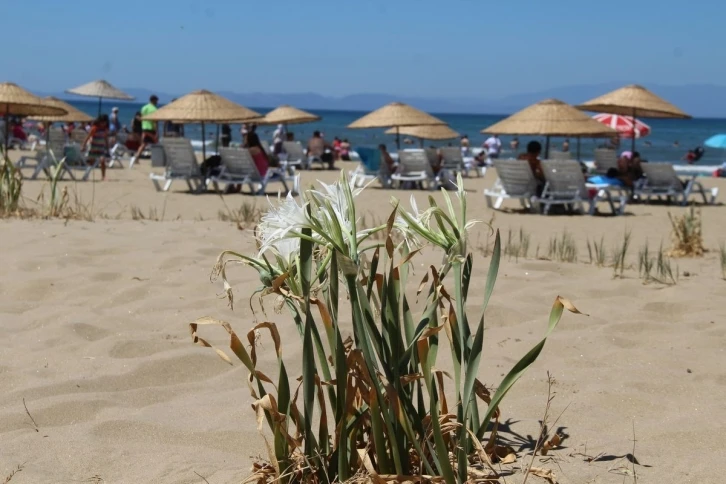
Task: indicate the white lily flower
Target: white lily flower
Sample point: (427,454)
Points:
(281,222)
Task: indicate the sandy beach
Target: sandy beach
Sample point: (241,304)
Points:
(96,343)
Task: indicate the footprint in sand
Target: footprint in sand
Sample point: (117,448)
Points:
(89,332)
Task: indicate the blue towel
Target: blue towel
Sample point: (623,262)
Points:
(605,180)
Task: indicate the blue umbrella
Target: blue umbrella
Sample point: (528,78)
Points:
(716,141)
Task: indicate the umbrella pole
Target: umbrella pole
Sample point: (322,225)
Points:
(99,104)
(216,143)
(421,140)
(398,139)
(632,142)
(7,132)
(578,148)
(547,148)
(204,145)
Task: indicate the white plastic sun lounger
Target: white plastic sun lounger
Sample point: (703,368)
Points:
(54,153)
(605,159)
(414,169)
(181,165)
(661,179)
(295,155)
(238,167)
(516,180)
(565,185)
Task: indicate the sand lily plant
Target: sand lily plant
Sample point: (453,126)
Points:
(372,398)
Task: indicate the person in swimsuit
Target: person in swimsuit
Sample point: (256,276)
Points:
(149,129)
(98,139)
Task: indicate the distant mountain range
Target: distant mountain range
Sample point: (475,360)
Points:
(700,100)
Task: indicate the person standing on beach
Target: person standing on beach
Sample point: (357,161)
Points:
(514,145)
(277,139)
(149,129)
(226,135)
(493,146)
(465,145)
(566,146)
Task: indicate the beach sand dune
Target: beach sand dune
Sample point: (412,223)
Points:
(95,341)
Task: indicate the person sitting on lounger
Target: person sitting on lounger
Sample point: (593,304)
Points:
(318,148)
(390,164)
(534,148)
(629,168)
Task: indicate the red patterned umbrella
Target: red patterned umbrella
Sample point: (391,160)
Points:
(624,125)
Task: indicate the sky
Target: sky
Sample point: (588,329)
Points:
(460,48)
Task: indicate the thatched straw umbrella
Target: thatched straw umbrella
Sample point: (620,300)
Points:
(395,115)
(203,107)
(100,89)
(72,115)
(551,117)
(633,100)
(14,100)
(288,115)
(434,131)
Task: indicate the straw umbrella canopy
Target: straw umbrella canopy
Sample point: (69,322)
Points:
(550,117)
(72,115)
(395,115)
(435,131)
(100,89)
(633,100)
(14,100)
(203,107)
(288,115)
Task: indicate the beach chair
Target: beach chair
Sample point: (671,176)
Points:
(295,155)
(661,180)
(181,165)
(565,185)
(238,168)
(605,159)
(454,162)
(515,180)
(370,168)
(52,156)
(76,158)
(560,155)
(119,150)
(414,168)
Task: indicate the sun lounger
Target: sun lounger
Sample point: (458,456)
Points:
(76,158)
(560,155)
(370,168)
(52,156)
(516,180)
(181,165)
(238,168)
(605,159)
(295,155)
(661,180)
(414,168)
(119,150)
(565,185)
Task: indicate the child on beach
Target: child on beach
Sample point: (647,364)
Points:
(98,137)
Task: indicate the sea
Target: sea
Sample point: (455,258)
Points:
(669,141)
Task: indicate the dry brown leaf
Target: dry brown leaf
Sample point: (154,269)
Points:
(546,474)
(569,306)
(503,454)
(551,444)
